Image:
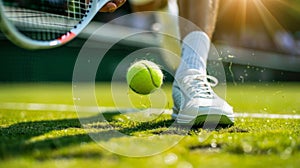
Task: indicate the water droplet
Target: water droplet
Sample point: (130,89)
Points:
(89,61)
(203,136)
(156,26)
(242,79)
(231,73)
(213,145)
(247,148)
(170,159)
(74,98)
(201,139)
(231,56)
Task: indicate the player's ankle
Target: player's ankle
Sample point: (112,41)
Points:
(195,48)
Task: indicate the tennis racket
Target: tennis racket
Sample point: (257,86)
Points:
(43,24)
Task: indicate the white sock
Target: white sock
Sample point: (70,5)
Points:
(195,48)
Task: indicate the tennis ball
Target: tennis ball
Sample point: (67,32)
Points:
(144,77)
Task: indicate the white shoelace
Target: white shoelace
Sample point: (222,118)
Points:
(198,86)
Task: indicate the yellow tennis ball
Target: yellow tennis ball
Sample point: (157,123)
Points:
(144,77)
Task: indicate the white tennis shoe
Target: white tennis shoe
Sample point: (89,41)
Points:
(196,103)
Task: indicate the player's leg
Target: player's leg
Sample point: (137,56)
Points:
(192,93)
(202,13)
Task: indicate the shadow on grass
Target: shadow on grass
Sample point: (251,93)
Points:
(16,140)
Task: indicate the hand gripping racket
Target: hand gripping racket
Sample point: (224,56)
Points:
(42,24)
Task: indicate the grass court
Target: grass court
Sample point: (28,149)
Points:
(56,138)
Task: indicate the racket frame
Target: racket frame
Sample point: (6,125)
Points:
(23,41)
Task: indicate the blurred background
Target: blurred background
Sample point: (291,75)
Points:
(257,40)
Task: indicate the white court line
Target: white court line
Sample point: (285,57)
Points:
(71,108)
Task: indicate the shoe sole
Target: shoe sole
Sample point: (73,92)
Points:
(208,121)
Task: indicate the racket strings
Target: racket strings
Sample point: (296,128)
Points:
(45,20)
(77,9)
